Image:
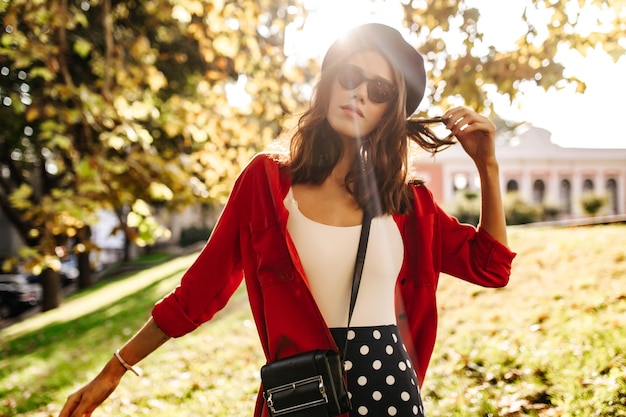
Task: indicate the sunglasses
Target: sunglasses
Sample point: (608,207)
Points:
(378,89)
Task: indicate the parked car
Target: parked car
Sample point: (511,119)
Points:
(17,293)
(69,270)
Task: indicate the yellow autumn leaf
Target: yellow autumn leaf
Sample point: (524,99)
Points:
(10,18)
(114,141)
(20,198)
(156,79)
(197,134)
(160,192)
(140,48)
(226,45)
(144,137)
(195,7)
(133,219)
(32,113)
(172,128)
(141,208)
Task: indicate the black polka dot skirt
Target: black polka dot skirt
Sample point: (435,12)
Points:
(381,379)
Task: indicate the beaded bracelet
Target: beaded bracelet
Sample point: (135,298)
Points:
(136,370)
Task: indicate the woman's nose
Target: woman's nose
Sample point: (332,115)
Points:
(360,91)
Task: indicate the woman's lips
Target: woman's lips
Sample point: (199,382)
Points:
(352,111)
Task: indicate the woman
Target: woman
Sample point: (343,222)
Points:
(291,228)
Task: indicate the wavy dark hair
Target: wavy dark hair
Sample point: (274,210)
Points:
(377,179)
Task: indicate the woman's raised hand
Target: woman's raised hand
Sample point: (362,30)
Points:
(475,132)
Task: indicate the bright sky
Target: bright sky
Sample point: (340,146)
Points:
(588,120)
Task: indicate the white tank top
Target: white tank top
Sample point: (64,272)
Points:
(328,255)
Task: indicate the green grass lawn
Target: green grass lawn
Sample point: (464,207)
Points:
(552,343)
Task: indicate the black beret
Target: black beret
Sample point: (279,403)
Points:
(390,43)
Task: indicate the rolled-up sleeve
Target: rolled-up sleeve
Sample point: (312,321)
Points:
(208,284)
(472,254)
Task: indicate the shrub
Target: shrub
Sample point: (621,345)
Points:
(466,207)
(518,211)
(193,234)
(592,203)
(550,211)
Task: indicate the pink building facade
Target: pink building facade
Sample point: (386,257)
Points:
(539,170)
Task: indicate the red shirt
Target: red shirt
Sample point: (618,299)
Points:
(250,240)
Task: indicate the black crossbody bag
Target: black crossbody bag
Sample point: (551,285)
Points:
(312,384)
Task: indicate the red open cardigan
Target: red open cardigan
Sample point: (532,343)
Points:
(251,240)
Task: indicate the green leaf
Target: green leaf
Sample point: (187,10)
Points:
(42,72)
(82,47)
(20,198)
(61,142)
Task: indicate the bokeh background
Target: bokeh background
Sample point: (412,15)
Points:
(123,125)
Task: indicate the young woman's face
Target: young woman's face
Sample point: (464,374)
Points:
(353,111)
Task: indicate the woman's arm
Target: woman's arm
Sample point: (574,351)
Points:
(477,135)
(85,400)
(492,218)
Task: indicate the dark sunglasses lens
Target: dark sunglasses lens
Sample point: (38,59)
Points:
(380,91)
(350,77)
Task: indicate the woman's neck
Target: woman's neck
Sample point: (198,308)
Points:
(346,162)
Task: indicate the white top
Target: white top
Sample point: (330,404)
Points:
(328,255)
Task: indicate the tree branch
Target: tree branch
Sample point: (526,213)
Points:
(63,45)
(22,227)
(108,50)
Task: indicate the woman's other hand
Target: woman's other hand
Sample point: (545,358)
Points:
(84,401)
(475,132)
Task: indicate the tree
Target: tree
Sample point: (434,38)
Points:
(552,26)
(123,105)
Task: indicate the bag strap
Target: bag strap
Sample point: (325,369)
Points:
(358,271)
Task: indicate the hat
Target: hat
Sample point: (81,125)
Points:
(390,43)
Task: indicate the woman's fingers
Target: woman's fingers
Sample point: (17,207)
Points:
(84,401)
(461,118)
(73,401)
(475,132)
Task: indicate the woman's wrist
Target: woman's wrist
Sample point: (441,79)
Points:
(134,369)
(113,370)
(488,166)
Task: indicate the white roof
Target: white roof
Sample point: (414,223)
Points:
(535,144)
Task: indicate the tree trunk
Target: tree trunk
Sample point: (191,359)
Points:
(51,285)
(127,249)
(85,275)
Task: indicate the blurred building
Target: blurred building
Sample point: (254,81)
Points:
(9,238)
(541,171)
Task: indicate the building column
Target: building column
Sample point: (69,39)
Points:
(619,195)
(553,185)
(526,185)
(577,192)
